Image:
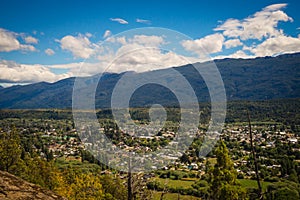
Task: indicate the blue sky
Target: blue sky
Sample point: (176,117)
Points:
(46,40)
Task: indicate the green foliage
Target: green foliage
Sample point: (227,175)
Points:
(223,183)
(69,181)
(293,176)
(113,187)
(10,150)
(248,183)
(77,185)
(285,190)
(174,175)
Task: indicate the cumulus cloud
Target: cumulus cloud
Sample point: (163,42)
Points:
(143,21)
(237,54)
(209,44)
(9,42)
(80,46)
(262,27)
(88,34)
(142,59)
(148,40)
(232,43)
(121,40)
(136,53)
(31,40)
(13,72)
(49,52)
(262,24)
(107,33)
(140,53)
(119,20)
(137,41)
(275,7)
(277,45)
(79,69)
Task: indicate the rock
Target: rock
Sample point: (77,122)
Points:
(14,188)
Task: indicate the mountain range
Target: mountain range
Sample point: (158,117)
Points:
(263,78)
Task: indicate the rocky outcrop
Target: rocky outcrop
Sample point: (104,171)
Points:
(14,188)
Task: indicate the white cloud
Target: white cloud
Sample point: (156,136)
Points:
(143,40)
(31,40)
(140,53)
(121,40)
(237,54)
(262,24)
(275,7)
(107,33)
(232,43)
(147,40)
(280,44)
(240,54)
(79,69)
(209,44)
(142,59)
(119,20)
(9,42)
(80,46)
(49,52)
(66,66)
(143,21)
(24,47)
(137,53)
(21,73)
(88,34)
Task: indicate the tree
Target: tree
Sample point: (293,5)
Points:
(293,176)
(10,150)
(114,187)
(185,158)
(86,186)
(285,190)
(78,185)
(223,184)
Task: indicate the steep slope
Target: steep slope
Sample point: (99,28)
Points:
(38,95)
(14,188)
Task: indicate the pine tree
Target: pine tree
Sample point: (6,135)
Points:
(10,150)
(223,184)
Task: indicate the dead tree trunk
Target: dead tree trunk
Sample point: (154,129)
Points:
(129,181)
(254,158)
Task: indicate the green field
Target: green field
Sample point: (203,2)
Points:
(175,183)
(172,196)
(246,183)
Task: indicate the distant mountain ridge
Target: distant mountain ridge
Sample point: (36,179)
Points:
(244,79)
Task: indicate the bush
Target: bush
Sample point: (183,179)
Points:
(271,179)
(155,185)
(200,184)
(240,176)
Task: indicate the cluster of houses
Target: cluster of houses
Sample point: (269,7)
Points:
(264,137)
(69,144)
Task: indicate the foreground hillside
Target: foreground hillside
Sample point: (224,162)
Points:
(14,188)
